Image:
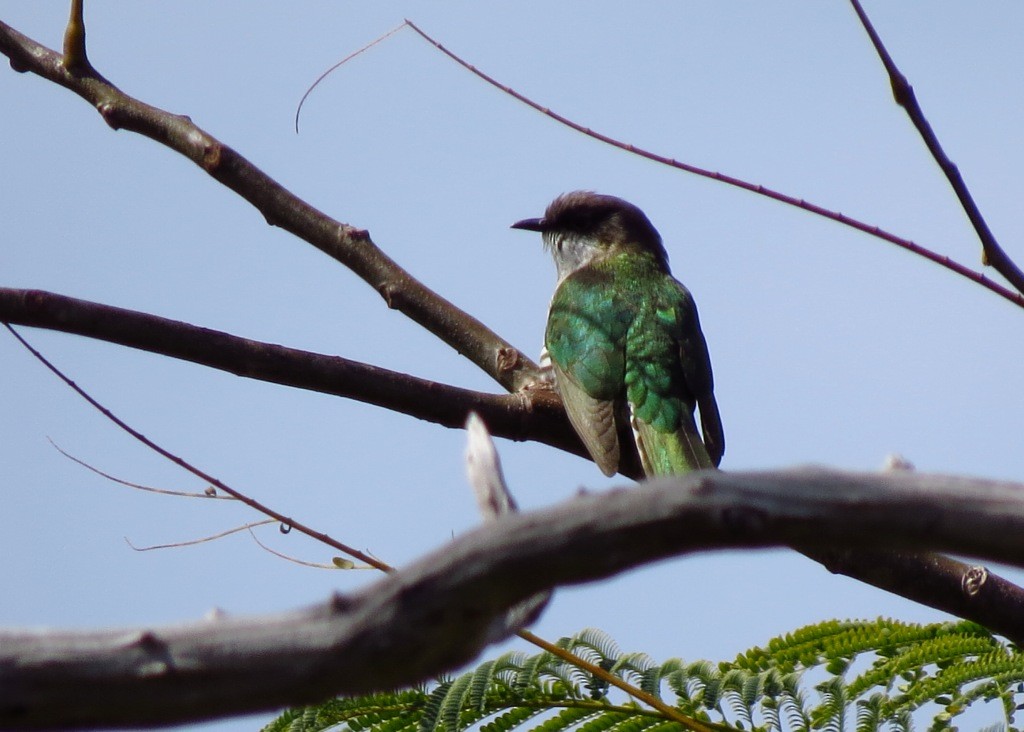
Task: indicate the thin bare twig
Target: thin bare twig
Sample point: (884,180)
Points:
(202,475)
(652,701)
(138,486)
(992,253)
(315,565)
(940,259)
(324,75)
(203,540)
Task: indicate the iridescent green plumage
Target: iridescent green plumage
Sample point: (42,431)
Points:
(624,339)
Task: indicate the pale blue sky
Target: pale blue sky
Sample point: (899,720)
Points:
(828,346)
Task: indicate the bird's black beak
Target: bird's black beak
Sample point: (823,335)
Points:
(530,224)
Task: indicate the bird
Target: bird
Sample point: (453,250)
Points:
(629,358)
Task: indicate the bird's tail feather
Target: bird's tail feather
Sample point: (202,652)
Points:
(671,453)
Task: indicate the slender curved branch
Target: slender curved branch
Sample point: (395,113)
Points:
(346,244)
(903,93)
(534,414)
(940,259)
(444,609)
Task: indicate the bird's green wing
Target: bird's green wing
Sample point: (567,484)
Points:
(668,373)
(593,419)
(584,339)
(693,355)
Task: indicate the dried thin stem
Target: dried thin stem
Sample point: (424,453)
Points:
(294,560)
(138,486)
(483,470)
(328,72)
(202,475)
(203,540)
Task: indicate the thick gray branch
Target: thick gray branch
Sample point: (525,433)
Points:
(441,611)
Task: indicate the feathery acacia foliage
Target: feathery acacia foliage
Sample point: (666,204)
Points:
(834,675)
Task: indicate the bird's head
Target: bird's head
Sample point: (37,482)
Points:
(582,226)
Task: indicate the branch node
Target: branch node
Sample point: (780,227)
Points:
(35,300)
(507,359)
(388,291)
(109,112)
(158,661)
(973,580)
(902,91)
(354,235)
(213,156)
(149,641)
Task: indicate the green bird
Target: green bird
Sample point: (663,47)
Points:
(625,343)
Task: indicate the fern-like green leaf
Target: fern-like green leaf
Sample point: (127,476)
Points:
(602,643)
(480,683)
(511,719)
(432,708)
(456,698)
(569,718)
(896,671)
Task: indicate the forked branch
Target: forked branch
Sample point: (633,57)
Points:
(346,244)
(903,93)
